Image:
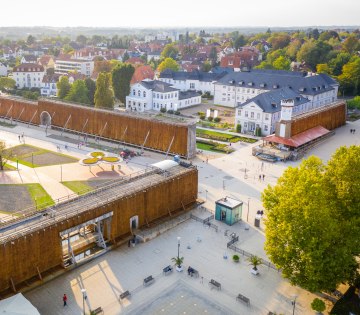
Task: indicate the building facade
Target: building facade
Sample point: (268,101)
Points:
(28,75)
(155,95)
(63,66)
(237,88)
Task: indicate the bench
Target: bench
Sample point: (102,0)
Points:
(215,284)
(243,298)
(98,310)
(124,295)
(148,280)
(167,269)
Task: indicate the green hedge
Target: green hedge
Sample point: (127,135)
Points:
(219,136)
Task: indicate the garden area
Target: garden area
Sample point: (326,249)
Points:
(220,136)
(83,187)
(22,196)
(36,157)
(213,146)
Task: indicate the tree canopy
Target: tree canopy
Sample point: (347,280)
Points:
(168,63)
(104,94)
(170,51)
(313,221)
(6,83)
(121,77)
(63,87)
(78,93)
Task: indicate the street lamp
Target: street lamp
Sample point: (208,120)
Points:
(178,239)
(206,195)
(294,303)
(247,216)
(83,291)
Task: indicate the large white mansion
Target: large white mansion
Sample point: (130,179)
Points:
(154,95)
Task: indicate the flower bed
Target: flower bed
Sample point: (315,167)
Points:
(214,146)
(219,136)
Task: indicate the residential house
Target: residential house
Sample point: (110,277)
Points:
(28,59)
(48,85)
(28,75)
(155,95)
(247,57)
(47,61)
(155,55)
(236,88)
(264,110)
(3,70)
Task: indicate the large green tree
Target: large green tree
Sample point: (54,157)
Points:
(313,221)
(78,93)
(170,51)
(350,77)
(104,94)
(91,87)
(168,63)
(63,87)
(6,83)
(314,52)
(121,77)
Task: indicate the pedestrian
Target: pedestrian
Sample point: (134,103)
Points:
(22,135)
(260,177)
(66,147)
(350,130)
(354,130)
(263,177)
(129,243)
(230,144)
(207,160)
(65,299)
(202,279)
(19,138)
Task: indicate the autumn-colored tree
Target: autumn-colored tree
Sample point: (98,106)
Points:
(351,44)
(168,63)
(7,83)
(323,68)
(170,51)
(63,87)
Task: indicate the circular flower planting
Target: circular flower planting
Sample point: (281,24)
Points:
(111,159)
(89,161)
(97,154)
(97,157)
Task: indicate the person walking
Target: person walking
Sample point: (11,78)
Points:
(19,138)
(65,299)
(263,177)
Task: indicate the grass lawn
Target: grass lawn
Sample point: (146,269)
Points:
(204,146)
(213,146)
(213,135)
(78,187)
(40,196)
(32,156)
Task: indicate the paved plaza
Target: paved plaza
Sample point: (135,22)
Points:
(106,277)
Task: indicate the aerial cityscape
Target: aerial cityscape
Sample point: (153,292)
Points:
(196,159)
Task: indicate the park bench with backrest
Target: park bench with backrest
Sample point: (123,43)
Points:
(215,284)
(243,298)
(148,280)
(98,310)
(167,270)
(125,295)
(193,272)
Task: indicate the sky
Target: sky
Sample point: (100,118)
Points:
(180,13)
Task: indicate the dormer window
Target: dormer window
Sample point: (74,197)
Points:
(250,84)
(262,85)
(275,86)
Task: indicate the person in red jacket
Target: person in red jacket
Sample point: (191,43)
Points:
(65,299)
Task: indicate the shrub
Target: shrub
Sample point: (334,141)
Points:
(163,109)
(202,117)
(236,258)
(170,111)
(201,113)
(354,103)
(210,118)
(176,112)
(258,132)
(238,128)
(318,305)
(217,119)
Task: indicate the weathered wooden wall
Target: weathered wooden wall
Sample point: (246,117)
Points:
(20,258)
(108,124)
(330,118)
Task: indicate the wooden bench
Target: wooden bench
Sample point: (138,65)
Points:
(98,310)
(148,280)
(243,298)
(124,295)
(193,273)
(167,270)
(215,284)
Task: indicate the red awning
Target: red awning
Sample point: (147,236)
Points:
(299,139)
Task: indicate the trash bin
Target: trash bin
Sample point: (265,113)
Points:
(257,222)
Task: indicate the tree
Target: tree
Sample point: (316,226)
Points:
(323,68)
(63,87)
(336,64)
(121,77)
(313,53)
(170,51)
(351,44)
(282,63)
(30,40)
(255,261)
(350,77)
(102,66)
(81,39)
(78,93)
(5,155)
(213,55)
(318,305)
(240,41)
(104,94)
(168,63)
(7,83)
(206,67)
(91,87)
(312,219)
(279,40)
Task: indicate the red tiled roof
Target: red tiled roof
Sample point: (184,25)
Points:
(135,60)
(142,73)
(29,67)
(299,139)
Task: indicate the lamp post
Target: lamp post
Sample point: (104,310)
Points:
(83,291)
(60,173)
(247,216)
(206,195)
(178,239)
(294,304)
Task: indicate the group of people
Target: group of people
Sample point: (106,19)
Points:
(21,138)
(352,130)
(261,177)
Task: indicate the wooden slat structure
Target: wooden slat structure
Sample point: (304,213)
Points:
(33,247)
(162,130)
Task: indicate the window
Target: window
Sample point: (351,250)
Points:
(252,114)
(245,124)
(162,96)
(246,114)
(266,116)
(139,93)
(266,128)
(144,94)
(192,86)
(133,92)
(258,116)
(239,112)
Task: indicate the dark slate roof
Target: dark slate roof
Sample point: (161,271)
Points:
(219,69)
(270,102)
(275,79)
(187,94)
(158,86)
(194,75)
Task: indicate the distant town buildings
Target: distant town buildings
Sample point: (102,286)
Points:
(28,75)
(66,65)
